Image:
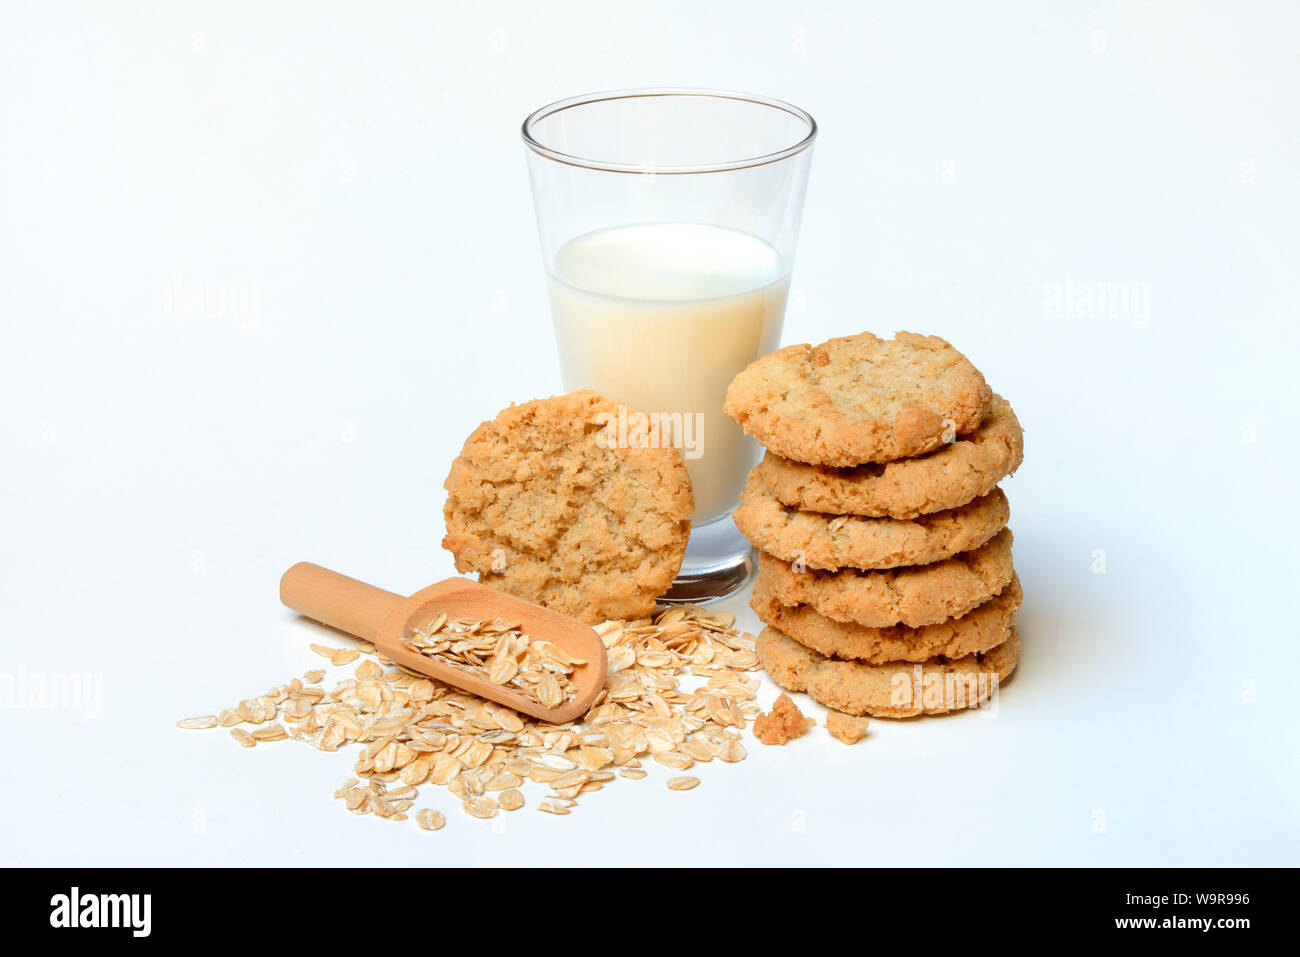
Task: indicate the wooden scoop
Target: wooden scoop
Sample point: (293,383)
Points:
(383,618)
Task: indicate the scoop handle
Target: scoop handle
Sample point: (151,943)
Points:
(337,600)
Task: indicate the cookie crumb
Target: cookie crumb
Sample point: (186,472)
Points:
(846,727)
(783,723)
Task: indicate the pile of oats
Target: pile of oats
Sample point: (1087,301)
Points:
(499,652)
(413,731)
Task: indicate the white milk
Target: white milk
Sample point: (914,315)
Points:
(662,317)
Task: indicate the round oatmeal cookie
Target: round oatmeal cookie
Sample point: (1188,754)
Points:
(891,690)
(966,468)
(913,595)
(859,399)
(544,506)
(849,541)
(978,631)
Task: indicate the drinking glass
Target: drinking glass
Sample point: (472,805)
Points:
(668,222)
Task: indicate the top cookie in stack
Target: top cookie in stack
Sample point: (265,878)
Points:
(882,529)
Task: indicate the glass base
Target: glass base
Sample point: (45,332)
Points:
(719,562)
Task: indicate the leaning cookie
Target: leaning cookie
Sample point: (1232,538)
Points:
(968,467)
(859,399)
(912,595)
(979,631)
(831,543)
(897,690)
(544,506)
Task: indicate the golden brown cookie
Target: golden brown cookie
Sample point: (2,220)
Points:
(913,595)
(985,628)
(847,541)
(859,399)
(897,690)
(543,505)
(970,466)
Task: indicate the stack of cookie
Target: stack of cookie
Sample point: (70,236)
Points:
(885,577)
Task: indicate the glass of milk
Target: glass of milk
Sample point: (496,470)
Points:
(668,222)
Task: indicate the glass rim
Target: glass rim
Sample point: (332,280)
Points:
(585,99)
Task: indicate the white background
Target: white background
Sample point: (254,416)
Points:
(355,170)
